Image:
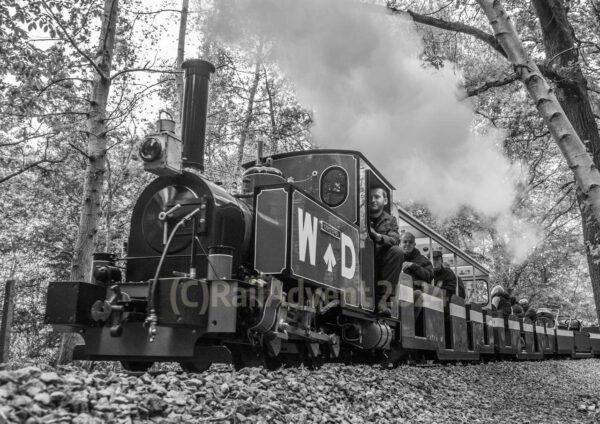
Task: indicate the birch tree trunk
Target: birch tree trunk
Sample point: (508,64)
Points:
(180,56)
(96,167)
(250,108)
(573,97)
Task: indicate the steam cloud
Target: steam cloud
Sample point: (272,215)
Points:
(361,74)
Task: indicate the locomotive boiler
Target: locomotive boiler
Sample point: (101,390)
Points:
(281,273)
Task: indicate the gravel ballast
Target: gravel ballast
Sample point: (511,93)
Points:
(566,391)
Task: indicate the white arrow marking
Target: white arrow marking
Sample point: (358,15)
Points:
(329,258)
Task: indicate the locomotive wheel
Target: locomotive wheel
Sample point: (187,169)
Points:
(137,366)
(195,366)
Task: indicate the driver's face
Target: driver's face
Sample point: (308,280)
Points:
(377,200)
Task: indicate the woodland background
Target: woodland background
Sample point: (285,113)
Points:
(50,65)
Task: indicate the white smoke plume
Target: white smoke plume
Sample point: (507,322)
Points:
(361,74)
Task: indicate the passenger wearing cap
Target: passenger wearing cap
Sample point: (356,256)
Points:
(444,278)
(502,301)
(528,311)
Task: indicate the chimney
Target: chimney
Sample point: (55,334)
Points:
(195,104)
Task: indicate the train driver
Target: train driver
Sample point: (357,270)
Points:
(383,229)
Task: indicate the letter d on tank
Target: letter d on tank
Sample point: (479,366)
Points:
(348,271)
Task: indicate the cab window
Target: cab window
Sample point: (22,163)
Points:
(334,186)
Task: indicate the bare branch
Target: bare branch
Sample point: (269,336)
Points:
(41,115)
(32,137)
(80,151)
(490,84)
(158,71)
(57,82)
(33,165)
(156,12)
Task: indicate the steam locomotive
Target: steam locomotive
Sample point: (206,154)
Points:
(282,273)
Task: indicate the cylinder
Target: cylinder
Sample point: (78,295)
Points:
(220,259)
(195,105)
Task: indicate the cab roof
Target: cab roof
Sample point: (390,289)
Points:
(324,151)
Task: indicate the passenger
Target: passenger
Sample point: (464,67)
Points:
(383,229)
(415,264)
(446,279)
(528,311)
(518,311)
(501,301)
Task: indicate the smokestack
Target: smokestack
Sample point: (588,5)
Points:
(195,104)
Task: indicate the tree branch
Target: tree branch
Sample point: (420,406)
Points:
(81,151)
(156,12)
(490,39)
(73,43)
(158,71)
(32,137)
(490,84)
(452,26)
(32,165)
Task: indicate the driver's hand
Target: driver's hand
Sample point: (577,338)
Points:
(406,265)
(374,235)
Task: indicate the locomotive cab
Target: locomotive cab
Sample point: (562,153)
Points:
(325,202)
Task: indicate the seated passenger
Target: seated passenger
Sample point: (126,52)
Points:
(518,311)
(446,279)
(528,311)
(415,264)
(383,230)
(501,301)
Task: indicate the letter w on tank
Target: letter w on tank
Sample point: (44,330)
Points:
(307,236)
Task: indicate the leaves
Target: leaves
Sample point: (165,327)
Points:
(551,391)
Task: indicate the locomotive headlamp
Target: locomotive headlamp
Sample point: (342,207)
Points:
(161,151)
(150,150)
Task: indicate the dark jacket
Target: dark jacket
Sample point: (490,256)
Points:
(505,304)
(530,313)
(447,280)
(386,225)
(421,269)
